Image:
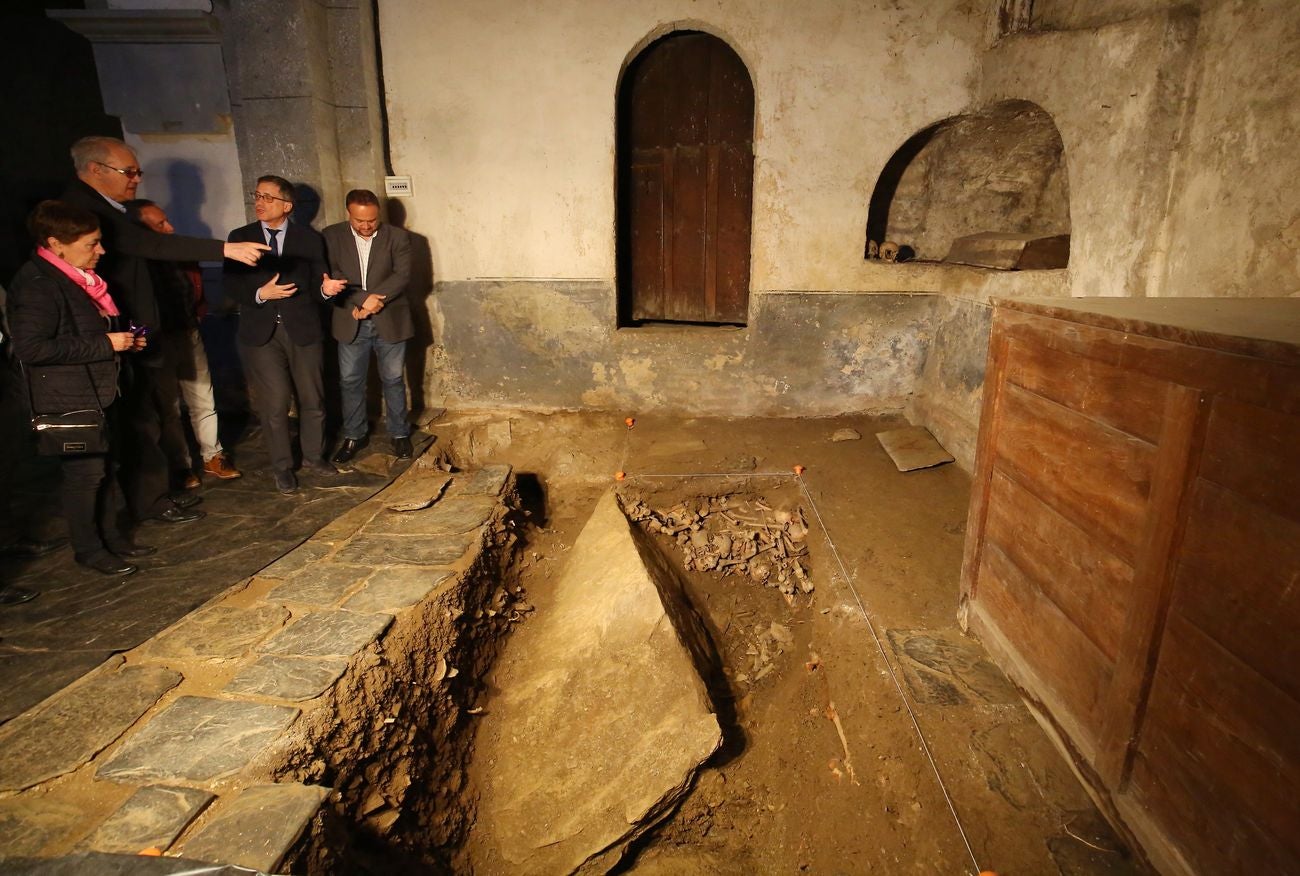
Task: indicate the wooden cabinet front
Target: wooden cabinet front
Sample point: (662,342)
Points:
(1133,562)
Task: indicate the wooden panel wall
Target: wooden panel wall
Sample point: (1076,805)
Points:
(1133,562)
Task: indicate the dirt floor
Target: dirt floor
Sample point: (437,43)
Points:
(822,770)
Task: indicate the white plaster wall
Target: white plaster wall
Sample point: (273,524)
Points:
(503,113)
(1235,224)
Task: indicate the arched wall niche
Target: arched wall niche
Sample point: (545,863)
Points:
(999,169)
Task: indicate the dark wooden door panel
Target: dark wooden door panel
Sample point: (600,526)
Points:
(645,206)
(688,109)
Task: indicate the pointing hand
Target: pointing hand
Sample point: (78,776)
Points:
(246,252)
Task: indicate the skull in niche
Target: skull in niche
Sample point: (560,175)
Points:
(873,249)
(889,251)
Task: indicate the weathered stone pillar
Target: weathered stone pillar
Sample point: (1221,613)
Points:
(305,97)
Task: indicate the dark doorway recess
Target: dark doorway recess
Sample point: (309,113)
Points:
(685,181)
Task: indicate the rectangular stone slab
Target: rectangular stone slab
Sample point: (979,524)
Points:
(415,493)
(451,516)
(406,550)
(219,632)
(328,634)
(78,724)
(600,730)
(198,739)
(31,823)
(259,827)
(486,481)
(395,588)
(287,678)
(152,818)
(31,677)
(299,558)
(321,583)
(913,448)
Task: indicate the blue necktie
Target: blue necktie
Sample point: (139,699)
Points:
(275,240)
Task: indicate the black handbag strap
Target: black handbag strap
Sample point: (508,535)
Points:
(76,330)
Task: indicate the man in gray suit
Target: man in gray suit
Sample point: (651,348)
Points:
(372,313)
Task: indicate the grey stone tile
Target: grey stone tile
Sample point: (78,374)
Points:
(218,632)
(943,670)
(78,724)
(30,678)
(287,678)
(328,634)
(198,739)
(395,588)
(451,516)
(297,559)
(31,824)
(406,550)
(322,583)
(415,493)
(486,481)
(151,818)
(259,827)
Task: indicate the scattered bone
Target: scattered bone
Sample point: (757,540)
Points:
(846,435)
(734,536)
(844,741)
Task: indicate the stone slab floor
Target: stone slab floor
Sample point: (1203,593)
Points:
(81,618)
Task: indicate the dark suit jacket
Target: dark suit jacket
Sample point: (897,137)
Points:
(388,273)
(301,261)
(61,340)
(125,264)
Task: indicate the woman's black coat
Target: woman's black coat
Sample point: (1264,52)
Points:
(61,339)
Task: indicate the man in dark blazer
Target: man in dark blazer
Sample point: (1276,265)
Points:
(281,338)
(372,312)
(108,174)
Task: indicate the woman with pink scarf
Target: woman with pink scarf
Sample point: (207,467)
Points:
(68,334)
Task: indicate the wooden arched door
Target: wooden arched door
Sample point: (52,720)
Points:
(686,168)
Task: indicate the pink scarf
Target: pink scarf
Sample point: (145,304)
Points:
(92,283)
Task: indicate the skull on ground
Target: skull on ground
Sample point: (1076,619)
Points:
(889,251)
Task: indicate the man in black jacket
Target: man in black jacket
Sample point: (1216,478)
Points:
(107,175)
(281,338)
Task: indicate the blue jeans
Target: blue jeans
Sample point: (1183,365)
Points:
(354,363)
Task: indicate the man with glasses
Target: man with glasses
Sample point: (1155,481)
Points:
(108,174)
(281,339)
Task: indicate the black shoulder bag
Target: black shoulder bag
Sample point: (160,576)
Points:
(72,433)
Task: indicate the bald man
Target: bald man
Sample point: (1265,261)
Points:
(108,174)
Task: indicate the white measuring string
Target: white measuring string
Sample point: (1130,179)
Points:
(715,474)
(925,747)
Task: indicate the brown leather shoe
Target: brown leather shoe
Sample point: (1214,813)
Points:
(219,466)
(189,480)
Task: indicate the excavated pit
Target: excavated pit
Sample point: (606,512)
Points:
(819,768)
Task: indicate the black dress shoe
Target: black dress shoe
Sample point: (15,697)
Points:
(16,595)
(107,564)
(285,482)
(402,447)
(177,514)
(185,500)
(347,450)
(132,551)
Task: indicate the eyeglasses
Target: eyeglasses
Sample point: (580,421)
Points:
(129,173)
(263,196)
